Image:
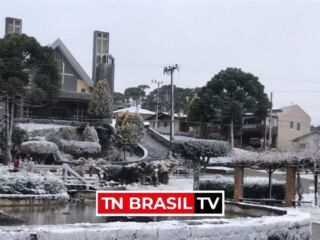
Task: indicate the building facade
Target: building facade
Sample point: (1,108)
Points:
(76,85)
(102,62)
(293,122)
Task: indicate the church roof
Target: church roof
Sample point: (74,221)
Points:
(74,63)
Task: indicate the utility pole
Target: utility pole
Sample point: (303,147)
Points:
(170,70)
(158,96)
(270,124)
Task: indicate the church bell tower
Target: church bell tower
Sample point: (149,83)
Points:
(103,62)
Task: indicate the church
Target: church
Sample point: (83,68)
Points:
(76,84)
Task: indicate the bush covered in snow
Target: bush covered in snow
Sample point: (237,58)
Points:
(129,130)
(200,151)
(80,148)
(144,172)
(29,183)
(39,147)
(254,187)
(90,134)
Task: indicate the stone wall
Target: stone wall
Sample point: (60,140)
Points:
(293,225)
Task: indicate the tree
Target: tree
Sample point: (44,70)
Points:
(129,130)
(119,101)
(182,98)
(100,105)
(199,151)
(227,97)
(27,73)
(136,94)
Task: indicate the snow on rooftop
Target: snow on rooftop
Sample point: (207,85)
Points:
(135,109)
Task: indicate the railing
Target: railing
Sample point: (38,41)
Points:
(68,175)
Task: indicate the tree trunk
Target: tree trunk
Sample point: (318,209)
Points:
(231,134)
(196,175)
(316,188)
(9,127)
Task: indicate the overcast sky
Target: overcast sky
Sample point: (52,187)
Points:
(276,40)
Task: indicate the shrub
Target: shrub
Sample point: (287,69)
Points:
(100,105)
(129,129)
(79,148)
(200,151)
(68,133)
(90,134)
(29,183)
(254,187)
(106,136)
(39,148)
(145,172)
(18,136)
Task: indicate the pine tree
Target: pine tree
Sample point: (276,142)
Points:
(100,106)
(27,72)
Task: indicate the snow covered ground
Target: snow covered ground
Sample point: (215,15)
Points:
(30,127)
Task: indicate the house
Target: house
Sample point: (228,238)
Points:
(292,122)
(145,114)
(76,85)
(309,140)
(164,119)
(288,123)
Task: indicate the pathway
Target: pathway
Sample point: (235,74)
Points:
(156,150)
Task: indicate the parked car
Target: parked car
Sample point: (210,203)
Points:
(255,142)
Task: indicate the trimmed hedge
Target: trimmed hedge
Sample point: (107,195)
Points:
(254,187)
(80,148)
(39,147)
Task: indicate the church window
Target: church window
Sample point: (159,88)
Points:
(104,59)
(104,46)
(99,47)
(98,59)
(83,90)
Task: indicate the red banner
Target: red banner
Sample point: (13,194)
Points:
(123,203)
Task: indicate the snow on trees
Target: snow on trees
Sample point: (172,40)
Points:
(90,134)
(28,73)
(129,130)
(80,148)
(39,147)
(200,151)
(29,183)
(100,106)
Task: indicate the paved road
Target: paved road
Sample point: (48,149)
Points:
(156,150)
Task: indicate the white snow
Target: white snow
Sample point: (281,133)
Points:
(135,109)
(30,127)
(23,182)
(292,226)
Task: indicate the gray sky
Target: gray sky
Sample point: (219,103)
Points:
(276,40)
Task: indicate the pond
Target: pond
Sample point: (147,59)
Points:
(83,213)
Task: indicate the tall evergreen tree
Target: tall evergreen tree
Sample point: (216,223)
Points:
(100,106)
(27,72)
(227,97)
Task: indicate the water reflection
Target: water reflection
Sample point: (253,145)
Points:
(76,213)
